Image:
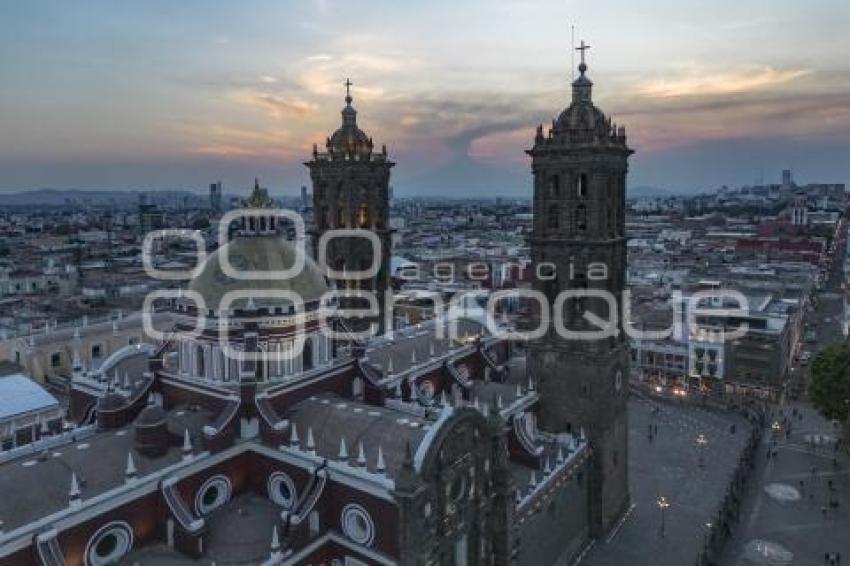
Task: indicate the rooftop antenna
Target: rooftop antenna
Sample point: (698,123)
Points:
(573,51)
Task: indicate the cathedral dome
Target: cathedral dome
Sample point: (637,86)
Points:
(349,138)
(151,415)
(582,114)
(582,122)
(264,254)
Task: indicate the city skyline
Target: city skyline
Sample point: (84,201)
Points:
(163,96)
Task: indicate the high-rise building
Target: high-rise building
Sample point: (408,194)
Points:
(215,197)
(578,245)
(305,198)
(351,191)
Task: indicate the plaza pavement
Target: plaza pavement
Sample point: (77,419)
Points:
(669,466)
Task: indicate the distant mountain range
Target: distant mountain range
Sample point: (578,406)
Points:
(646,191)
(123,199)
(114,198)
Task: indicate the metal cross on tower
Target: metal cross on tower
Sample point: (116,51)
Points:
(582,48)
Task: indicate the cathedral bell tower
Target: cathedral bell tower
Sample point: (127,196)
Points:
(578,247)
(351,191)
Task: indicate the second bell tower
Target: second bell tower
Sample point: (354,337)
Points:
(351,191)
(578,248)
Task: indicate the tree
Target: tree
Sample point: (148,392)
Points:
(830,386)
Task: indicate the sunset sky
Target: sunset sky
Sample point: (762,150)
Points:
(165,94)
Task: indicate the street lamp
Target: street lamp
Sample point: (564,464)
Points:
(701,442)
(663,504)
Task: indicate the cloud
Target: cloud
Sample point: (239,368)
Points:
(276,106)
(696,83)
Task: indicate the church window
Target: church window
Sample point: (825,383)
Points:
(263,223)
(554,217)
(307,355)
(556,186)
(340,218)
(199,361)
(323,217)
(109,544)
(214,493)
(581,217)
(252,224)
(581,186)
(357,524)
(281,489)
(363,216)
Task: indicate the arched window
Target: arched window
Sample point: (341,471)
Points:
(553,219)
(363,216)
(307,355)
(340,218)
(581,217)
(556,185)
(581,186)
(199,361)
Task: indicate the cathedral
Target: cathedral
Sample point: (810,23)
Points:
(264,430)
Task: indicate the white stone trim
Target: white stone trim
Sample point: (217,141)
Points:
(220,482)
(103,531)
(351,513)
(272,487)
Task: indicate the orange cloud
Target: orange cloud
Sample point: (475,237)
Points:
(276,106)
(719,83)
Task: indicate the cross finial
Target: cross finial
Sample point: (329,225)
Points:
(582,48)
(348,84)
